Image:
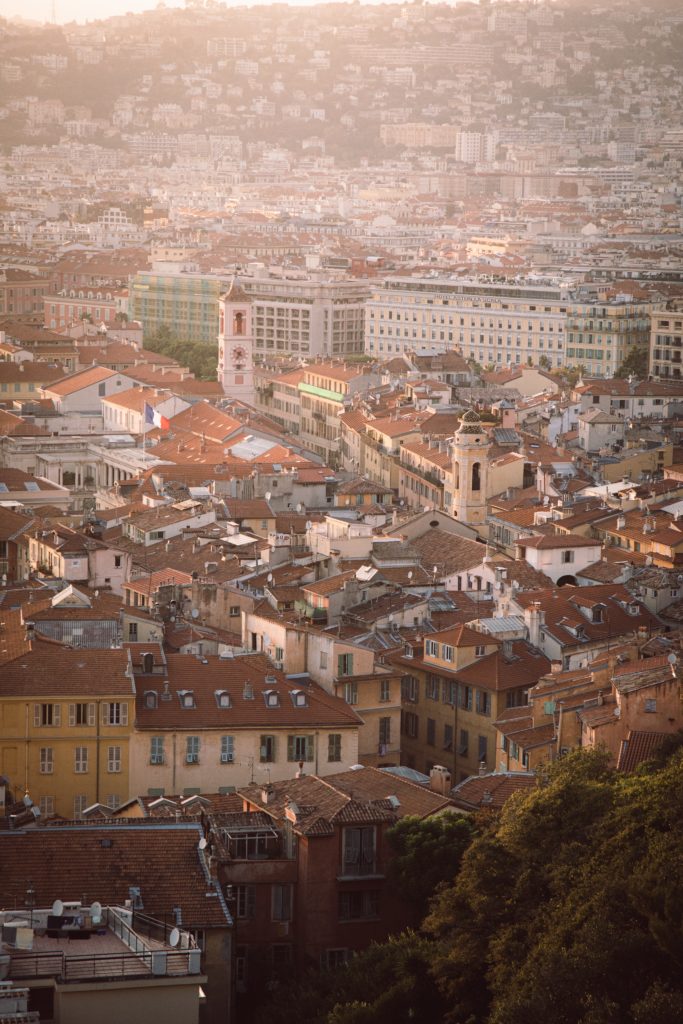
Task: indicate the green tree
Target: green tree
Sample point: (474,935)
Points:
(636,363)
(427,853)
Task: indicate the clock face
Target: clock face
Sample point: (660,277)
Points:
(239,354)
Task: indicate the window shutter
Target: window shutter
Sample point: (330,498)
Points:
(290,748)
(72,714)
(251,901)
(124,713)
(57,714)
(309,748)
(105,713)
(91,714)
(36,714)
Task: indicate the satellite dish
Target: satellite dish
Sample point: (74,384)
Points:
(195,613)
(268,495)
(57,908)
(672,659)
(174,937)
(202,843)
(96,912)
(27,800)
(299,507)
(270,577)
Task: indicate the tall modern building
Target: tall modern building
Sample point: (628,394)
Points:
(305,317)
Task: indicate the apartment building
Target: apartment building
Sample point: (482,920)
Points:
(324,392)
(501,324)
(306,317)
(666,343)
(601,332)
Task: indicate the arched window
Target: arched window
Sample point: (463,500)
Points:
(238,323)
(476,476)
(456,475)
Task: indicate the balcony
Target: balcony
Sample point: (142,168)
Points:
(108,950)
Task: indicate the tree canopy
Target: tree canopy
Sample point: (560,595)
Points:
(567,907)
(200,357)
(637,362)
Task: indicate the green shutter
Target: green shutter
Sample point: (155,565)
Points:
(309,748)
(290,748)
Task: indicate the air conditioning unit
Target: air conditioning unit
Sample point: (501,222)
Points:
(227,758)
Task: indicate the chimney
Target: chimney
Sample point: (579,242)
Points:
(440,780)
(267,793)
(482,768)
(534,619)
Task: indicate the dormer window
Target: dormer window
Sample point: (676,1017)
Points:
(150,699)
(447,652)
(599,613)
(633,608)
(299,699)
(222,698)
(480,651)
(408,651)
(186,698)
(271,698)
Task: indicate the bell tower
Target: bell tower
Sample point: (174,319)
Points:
(471,447)
(236,344)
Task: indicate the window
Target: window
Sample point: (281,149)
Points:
(117,561)
(359,851)
(410,689)
(432,648)
(114,759)
(47,806)
(384,691)
(345,665)
(465,696)
(567,557)
(351,693)
(80,760)
(113,801)
(334,746)
(323,659)
(47,761)
(192,750)
(227,749)
(359,906)
(299,748)
(267,748)
(432,686)
(449,692)
(482,749)
(245,901)
(114,713)
(448,737)
(81,714)
(483,702)
(384,731)
(234,611)
(431,732)
(132,630)
(464,742)
(47,714)
(409,724)
(80,804)
(331,959)
(156,752)
(479,651)
(650,704)
(282,902)
(447,652)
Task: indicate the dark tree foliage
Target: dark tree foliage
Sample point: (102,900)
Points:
(427,854)
(637,362)
(568,907)
(200,357)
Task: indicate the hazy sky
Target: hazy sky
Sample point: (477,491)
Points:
(91,10)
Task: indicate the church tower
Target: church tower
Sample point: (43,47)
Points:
(236,344)
(471,447)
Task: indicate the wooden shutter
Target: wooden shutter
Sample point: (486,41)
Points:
(91,714)
(309,748)
(36,714)
(105,713)
(57,714)
(124,713)
(290,748)
(72,714)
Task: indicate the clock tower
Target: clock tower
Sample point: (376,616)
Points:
(235,344)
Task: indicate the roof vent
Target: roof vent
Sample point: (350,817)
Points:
(166,693)
(248,692)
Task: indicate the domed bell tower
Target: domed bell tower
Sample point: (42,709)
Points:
(236,344)
(471,447)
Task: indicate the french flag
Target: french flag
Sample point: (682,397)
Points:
(154,418)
